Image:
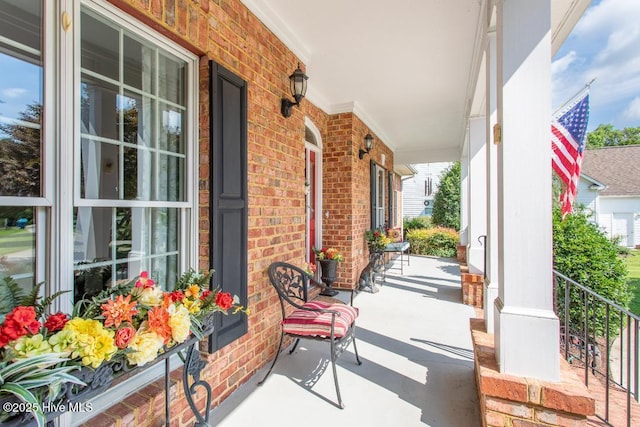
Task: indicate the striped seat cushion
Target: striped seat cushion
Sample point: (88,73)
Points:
(311,323)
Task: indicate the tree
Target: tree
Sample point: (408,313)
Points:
(607,136)
(446,202)
(20,155)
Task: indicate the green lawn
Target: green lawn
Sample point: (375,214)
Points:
(15,240)
(633,264)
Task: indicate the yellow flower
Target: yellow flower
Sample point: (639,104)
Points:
(180,322)
(25,347)
(90,341)
(192,305)
(145,346)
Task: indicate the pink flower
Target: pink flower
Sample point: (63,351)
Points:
(144,281)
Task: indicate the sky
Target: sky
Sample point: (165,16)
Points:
(605,45)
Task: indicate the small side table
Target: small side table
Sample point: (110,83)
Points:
(400,247)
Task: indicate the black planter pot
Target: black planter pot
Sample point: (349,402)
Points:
(329,268)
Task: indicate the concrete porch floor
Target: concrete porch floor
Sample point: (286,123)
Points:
(414,341)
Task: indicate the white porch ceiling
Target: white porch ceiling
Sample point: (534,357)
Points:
(407,68)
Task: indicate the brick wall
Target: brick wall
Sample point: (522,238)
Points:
(509,400)
(225,31)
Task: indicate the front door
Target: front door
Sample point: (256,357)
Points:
(310,189)
(313,192)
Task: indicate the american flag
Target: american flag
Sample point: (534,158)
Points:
(568,140)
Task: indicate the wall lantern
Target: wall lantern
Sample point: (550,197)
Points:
(368,145)
(298,84)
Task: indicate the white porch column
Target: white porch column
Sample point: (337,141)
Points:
(477,195)
(527,342)
(491,275)
(464,195)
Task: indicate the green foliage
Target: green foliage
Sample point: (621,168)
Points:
(10,295)
(586,255)
(607,136)
(633,266)
(434,241)
(192,277)
(27,379)
(446,203)
(416,222)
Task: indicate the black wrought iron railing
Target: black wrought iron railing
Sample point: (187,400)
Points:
(602,337)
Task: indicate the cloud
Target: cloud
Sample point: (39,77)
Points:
(13,92)
(632,111)
(561,65)
(605,44)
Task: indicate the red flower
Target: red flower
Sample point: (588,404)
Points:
(177,296)
(23,318)
(4,340)
(124,335)
(144,281)
(224,300)
(205,294)
(12,331)
(55,322)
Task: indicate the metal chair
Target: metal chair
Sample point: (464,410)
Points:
(320,320)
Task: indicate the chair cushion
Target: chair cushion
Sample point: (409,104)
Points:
(312,323)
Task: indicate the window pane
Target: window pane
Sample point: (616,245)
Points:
(171,77)
(18,245)
(169,171)
(127,241)
(20,20)
(138,114)
(139,61)
(99,177)
(98,108)
(100,47)
(171,135)
(20,98)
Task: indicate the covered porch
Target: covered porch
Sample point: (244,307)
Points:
(413,338)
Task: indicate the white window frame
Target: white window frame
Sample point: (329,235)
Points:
(379,189)
(65,184)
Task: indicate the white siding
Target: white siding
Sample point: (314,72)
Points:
(413,189)
(587,196)
(617,214)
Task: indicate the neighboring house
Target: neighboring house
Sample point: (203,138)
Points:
(610,188)
(418,191)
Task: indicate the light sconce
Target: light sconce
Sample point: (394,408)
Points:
(368,145)
(298,85)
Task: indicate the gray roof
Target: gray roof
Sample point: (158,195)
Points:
(616,167)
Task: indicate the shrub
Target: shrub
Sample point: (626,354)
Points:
(446,202)
(434,241)
(416,222)
(585,254)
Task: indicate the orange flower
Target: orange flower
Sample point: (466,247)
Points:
(159,323)
(192,291)
(144,281)
(118,311)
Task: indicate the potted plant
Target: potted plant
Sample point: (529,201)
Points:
(328,259)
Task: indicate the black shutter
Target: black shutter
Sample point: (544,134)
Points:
(228,241)
(392,219)
(374,196)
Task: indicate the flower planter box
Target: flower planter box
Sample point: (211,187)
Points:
(73,398)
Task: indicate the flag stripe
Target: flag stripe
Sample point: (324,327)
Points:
(568,140)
